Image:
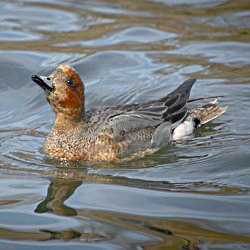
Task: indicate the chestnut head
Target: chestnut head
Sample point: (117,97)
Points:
(64,90)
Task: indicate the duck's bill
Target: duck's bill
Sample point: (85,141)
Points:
(43,81)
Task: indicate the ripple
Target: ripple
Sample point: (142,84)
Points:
(198,4)
(227,53)
(143,202)
(39,15)
(116,9)
(18,36)
(131,74)
(239,19)
(130,35)
(21,220)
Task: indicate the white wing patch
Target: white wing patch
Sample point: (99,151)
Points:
(184,129)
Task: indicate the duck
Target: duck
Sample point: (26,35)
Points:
(120,132)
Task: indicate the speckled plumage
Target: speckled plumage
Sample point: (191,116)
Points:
(112,133)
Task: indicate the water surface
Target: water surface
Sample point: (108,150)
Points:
(192,195)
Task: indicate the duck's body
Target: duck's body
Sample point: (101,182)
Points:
(120,132)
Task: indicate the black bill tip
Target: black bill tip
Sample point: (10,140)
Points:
(42,82)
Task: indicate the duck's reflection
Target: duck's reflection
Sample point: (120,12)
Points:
(58,192)
(101,226)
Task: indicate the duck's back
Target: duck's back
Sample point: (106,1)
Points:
(136,128)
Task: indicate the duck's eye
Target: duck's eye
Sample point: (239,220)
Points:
(71,83)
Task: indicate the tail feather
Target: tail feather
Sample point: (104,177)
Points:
(206,112)
(182,92)
(185,87)
(177,100)
(194,99)
(196,118)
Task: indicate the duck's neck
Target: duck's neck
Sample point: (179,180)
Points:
(63,140)
(66,124)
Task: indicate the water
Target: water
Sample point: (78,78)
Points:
(193,195)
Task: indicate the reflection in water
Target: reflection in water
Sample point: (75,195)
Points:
(59,190)
(193,195)
(96,225)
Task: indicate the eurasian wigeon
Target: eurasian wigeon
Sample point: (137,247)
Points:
(117,132)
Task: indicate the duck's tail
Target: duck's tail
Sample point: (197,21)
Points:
(197,117)
(206,113)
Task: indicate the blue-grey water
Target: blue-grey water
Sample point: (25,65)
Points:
(192,195)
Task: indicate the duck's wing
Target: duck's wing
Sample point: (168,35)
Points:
(164,114)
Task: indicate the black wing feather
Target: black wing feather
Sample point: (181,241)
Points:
(170,109)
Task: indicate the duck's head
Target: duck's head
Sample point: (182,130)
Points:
(64,90)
